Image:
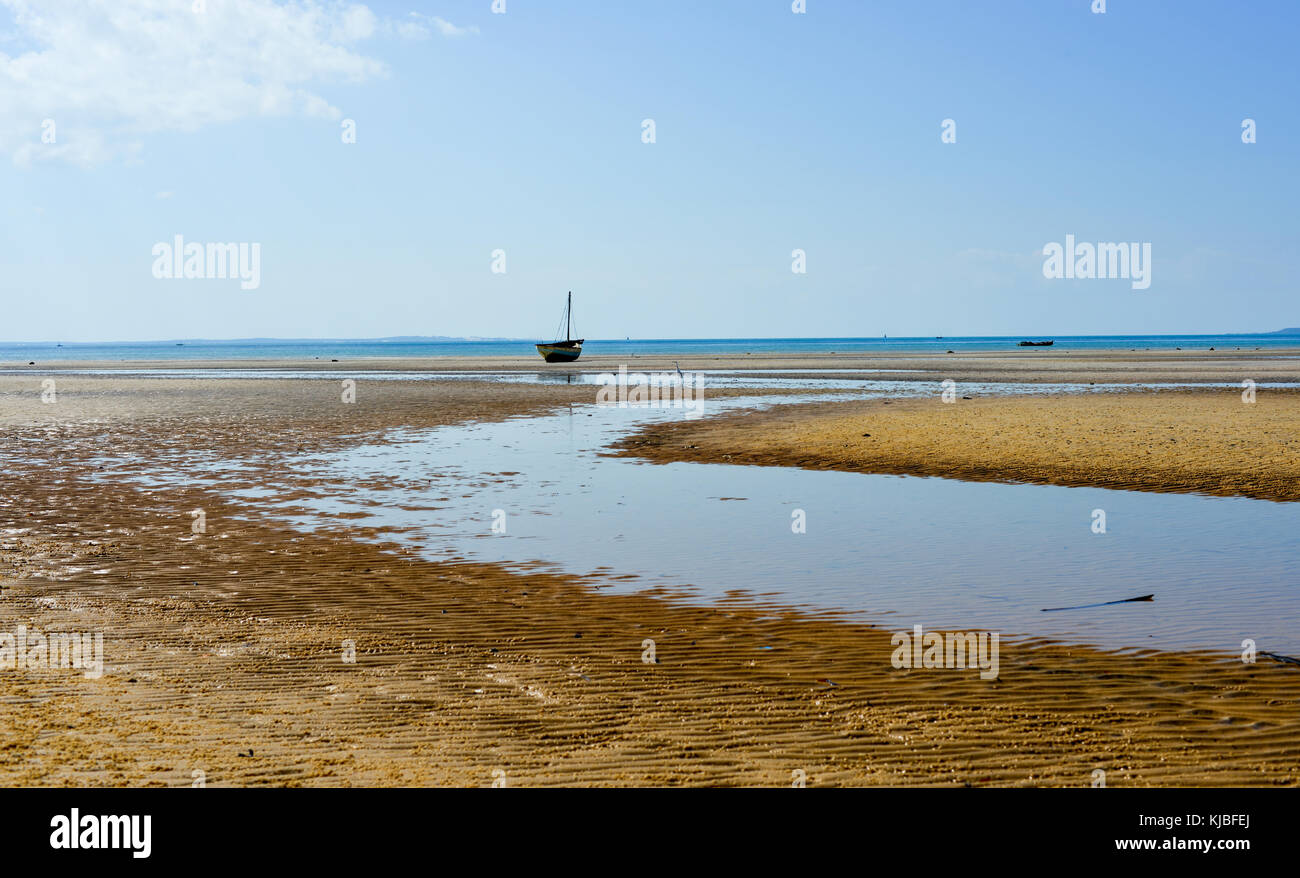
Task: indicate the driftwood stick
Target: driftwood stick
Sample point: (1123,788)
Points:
(1145,597)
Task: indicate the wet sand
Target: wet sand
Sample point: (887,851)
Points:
(1030,365)
(225,649)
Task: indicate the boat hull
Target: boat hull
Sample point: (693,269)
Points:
(560,351)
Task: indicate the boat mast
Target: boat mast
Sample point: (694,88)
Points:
(568,318)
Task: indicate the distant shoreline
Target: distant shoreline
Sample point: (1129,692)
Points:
(1014,365)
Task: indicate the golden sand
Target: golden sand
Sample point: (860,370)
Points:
(225,649)
(1209,442)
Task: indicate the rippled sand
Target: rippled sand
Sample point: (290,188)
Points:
(225,649)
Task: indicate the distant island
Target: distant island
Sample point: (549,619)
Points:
(1294,330)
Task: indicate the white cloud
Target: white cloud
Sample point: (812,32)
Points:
(447,29)
(419,27)
(106,73)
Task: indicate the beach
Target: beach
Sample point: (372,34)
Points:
(480,398)
(257,653)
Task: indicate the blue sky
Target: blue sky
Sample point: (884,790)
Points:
(522,131)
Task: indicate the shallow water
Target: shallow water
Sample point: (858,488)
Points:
(896,550)
(805,380)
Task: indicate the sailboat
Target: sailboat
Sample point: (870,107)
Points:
(563,351)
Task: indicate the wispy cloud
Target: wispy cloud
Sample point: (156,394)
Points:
(88,79)
(420,27)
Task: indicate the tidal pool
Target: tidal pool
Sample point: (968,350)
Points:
(895,550)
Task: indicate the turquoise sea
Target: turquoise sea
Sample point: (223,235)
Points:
(201,349)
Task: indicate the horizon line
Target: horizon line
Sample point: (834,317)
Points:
(470,339)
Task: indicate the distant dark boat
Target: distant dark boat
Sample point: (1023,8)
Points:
(1037,344)
(563,351)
